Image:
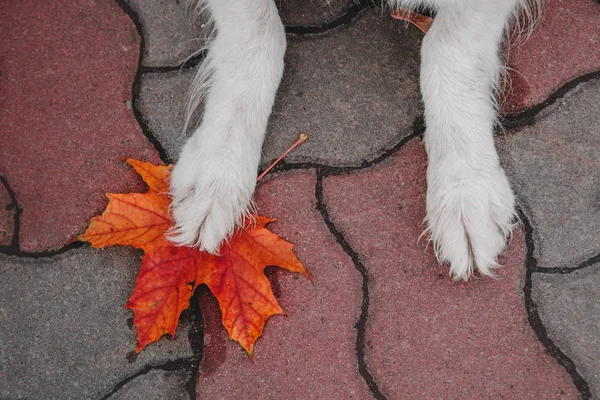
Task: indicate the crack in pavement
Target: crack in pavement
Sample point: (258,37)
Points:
(360,267)
(137,81)
(14,241)
(189,364)
(534,319)
(355,9)
(14,248)
(182,363)
(566,270)
(527,116)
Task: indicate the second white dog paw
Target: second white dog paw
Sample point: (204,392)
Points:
(470,213)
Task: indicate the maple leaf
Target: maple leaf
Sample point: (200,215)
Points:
(420,21)
(170,274)
(237,280)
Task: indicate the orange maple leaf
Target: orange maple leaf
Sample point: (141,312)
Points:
(169,274)
(420,21)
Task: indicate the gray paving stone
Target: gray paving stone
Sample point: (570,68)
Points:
(355,91)
(155,385)
(64,333)
(311,12)
(554,166)
(169,33)
(162,103)
(569,307)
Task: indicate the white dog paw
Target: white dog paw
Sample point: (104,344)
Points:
(470,213)
(211,193)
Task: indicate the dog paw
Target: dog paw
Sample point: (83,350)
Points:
(211,193)
(470,213)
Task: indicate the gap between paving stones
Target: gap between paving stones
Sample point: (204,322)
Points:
(14,241)
(179,364)
(136,83)
(360,267)
(533,316)
(190,365)
(527,116)
(14,248)
(566,270)
(354,10)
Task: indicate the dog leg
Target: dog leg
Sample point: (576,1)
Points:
(470,205)
(213,181)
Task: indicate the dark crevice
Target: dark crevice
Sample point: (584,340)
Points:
(535,320)
(524,208)
(354,10)
(182,363)
(190,364)
(14,246)
(299,30)
(508,122)
(527,116)
(189,63)
(417,130)
(136,84)
(196,339)
(41,254)
(362,320)
(566,270)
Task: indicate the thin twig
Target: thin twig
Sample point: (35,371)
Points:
(301,139)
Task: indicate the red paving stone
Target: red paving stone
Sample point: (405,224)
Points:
(427,336)
(564,46)
(311,353)
(67,69)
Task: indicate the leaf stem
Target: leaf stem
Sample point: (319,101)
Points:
(301,139)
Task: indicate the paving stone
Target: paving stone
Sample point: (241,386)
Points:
(66,124)
(427,336)
(64,333)
(155,385)
(162,103)
(569,308)
(563,46)
(554,167)
(171,33)
(352,108)
(7,216)
(311,353)
(311,12)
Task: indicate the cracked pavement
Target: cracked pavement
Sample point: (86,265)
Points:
(85,84)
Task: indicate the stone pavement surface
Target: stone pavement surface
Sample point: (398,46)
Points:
(84,84)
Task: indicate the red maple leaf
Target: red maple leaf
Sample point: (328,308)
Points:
(170,274)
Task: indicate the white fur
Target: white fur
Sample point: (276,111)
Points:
(470,205)
(213,181)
